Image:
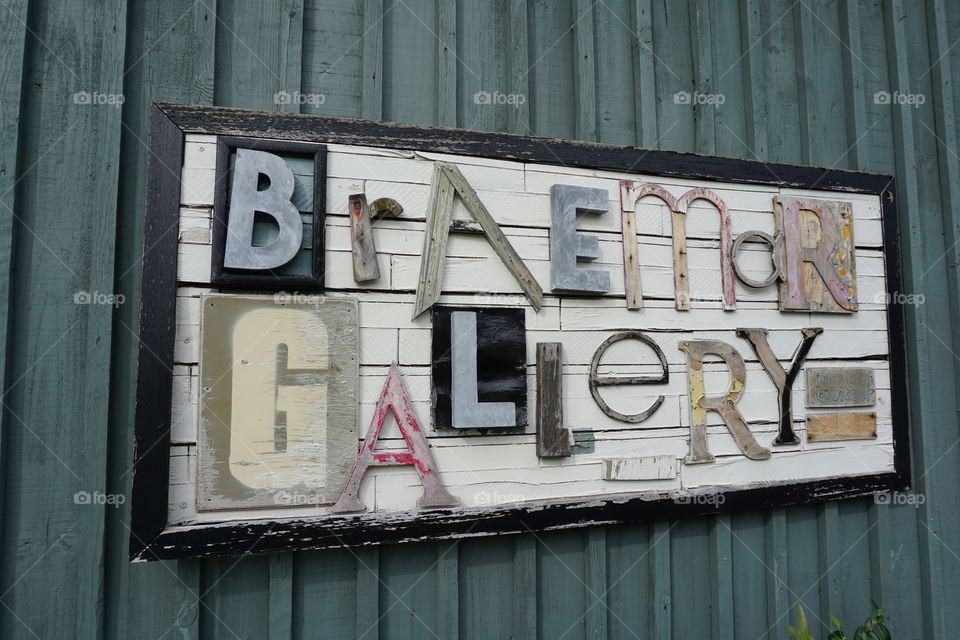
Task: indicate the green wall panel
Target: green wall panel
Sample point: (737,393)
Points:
(798,83)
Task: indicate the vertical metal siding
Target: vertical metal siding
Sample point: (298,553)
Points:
(799,79)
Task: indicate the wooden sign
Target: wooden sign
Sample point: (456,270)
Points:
(357,333)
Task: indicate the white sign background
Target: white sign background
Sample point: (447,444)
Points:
(488,470)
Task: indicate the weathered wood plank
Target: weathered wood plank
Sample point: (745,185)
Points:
(281,596)
(448,589)
(644,64)
(595,583)
(553,439)
(584,77)
(365,265)
(829,427)
(13,31)
(661,602)
(447,63)
(368,593)
(917,320)
(291,54)
(519,69)
(631,262)
(778,603)
(156,68)
(645,468)
(448,179)
(721,574)
(53,541)
(434,241)
(371,82)
(525,586)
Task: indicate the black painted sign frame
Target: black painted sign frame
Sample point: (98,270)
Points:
(153,538)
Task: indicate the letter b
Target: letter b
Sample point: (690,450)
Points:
(246,199)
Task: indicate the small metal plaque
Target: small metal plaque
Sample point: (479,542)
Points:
(836,387)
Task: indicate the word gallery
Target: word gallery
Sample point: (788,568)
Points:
(392,332)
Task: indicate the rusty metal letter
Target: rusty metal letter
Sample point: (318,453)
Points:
(725,405)
(394,397)
(597,381)
(783,379)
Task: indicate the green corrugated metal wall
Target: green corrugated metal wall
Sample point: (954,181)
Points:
(799,80)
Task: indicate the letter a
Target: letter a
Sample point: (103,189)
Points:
(395,398)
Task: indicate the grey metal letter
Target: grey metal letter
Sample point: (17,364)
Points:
(567,246)
(467,410)
(246,200)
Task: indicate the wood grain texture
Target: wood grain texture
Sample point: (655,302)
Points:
(829,427)
(13,33)
(553,439)
(73,148)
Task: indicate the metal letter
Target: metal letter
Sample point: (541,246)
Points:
(776,258)
(725,405)
(395,398)
(567,246)
(246,200)
(783,379)
(468,411)
(603,381)
(553,441)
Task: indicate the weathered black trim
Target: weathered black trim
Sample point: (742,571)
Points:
(508,146)
(328,532)
(220,277)
(157,316)
(896,333)
(151,538)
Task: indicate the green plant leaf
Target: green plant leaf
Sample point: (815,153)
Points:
(802,630)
